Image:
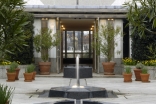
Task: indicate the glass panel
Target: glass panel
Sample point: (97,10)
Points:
(85,41)
(78,41)
(70,45)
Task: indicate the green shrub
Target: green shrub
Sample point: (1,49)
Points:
(128,70)
(5,94)
(13,66)
(139,65)
(144,70)
(30,68)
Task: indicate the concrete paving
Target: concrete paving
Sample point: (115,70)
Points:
(135,92)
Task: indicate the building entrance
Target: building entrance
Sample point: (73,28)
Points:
(76,39)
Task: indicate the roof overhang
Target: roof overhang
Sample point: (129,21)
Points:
(77,11)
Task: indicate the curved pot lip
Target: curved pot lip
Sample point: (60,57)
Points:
(44,63)
(127,73)
(144,74)
(137,69)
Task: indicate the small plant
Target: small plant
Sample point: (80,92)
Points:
(13,66)
(6,94)
(127,70)
(144,70)
(139,65)
(30,68)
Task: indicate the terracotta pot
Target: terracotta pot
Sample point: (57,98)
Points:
(145,77)
(17,73)
(28,77)
(44,68)
(11,77)
(127,77)
(34,74)
(108,68)
(137,74)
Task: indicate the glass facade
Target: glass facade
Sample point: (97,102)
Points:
(77,42)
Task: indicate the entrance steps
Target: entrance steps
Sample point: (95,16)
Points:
(95,75)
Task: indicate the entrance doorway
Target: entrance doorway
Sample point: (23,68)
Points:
(77,36)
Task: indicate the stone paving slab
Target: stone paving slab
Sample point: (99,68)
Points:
(135,92)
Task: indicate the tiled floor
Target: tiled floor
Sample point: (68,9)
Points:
(135,92)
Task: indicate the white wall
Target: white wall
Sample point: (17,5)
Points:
(52,26)
(119,39)
(102,22)
(37,27)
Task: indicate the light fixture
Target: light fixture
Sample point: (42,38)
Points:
(62,26)
(91,28)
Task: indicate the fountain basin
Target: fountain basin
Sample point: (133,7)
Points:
(84,72)
(80,92)
(78,102)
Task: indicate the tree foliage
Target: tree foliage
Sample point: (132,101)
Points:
(105,43)
(12,35)
(45,40)
(140,14)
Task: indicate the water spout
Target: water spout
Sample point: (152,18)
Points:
(77,70)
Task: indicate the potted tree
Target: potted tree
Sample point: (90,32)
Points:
(144,75)
(11,73)
(43,41)
(127,75)
(15,65)
(138,70)
(28,75)
(105,44)
(6,94)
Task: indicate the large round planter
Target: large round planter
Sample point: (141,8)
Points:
(137,74)
(11,77)
(145,77)
(108,68)
(127,77)
(28,77)
(44,68)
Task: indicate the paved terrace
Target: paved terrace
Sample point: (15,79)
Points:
(135,92)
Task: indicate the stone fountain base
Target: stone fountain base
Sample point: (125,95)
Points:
(80,92)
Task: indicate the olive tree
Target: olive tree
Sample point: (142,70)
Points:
(142,16)
(12,35)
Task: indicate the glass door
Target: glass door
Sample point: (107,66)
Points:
(77,42)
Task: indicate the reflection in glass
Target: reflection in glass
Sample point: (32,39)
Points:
(85,41)
(77,41)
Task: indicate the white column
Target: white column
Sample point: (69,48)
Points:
(102,22)
(37,27)
(52,26)
(118,39)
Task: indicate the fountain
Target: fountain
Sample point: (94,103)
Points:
(77,91)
